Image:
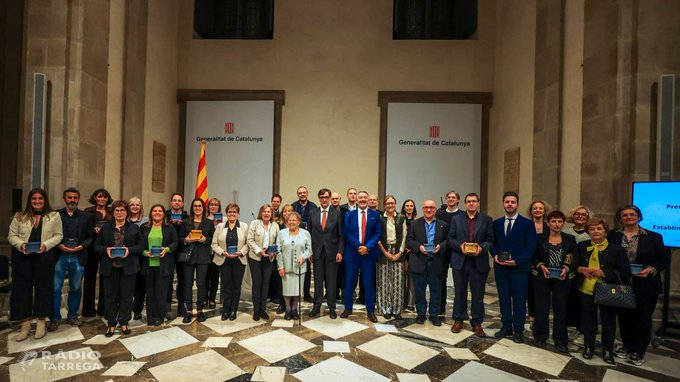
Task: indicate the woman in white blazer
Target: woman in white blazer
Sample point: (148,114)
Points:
(33,267)
(230,250)
(262,233)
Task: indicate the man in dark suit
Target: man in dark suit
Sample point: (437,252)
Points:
(446,213)
(176,210)
(426,266)
(362,230)
(351,204)
(325,226)
(470,263)
(78,228)
(515,238)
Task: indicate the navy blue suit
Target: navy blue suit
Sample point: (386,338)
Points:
(353,261)
(513,282)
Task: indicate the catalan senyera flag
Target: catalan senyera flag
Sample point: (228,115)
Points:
(202,176)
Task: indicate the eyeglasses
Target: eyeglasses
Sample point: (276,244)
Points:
(232,212)
(429,208)
(471,201)
(580,214)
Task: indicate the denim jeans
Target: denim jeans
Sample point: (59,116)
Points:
(68,264)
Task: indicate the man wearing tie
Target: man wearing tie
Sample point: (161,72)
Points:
(515,245)
(362,230)
(325,226)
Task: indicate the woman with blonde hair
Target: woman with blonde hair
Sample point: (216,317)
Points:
(213,277)
(137,216)
(390,268)
(262,233)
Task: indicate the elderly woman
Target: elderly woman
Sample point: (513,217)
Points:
(196,268)
(390,267)
(276,284)
(101,209)
(33,265)
(295,246)
(230,250)
(213,278)
(157,267)
(645,248)
(262,233)
(137,217)
(119,272)
(577,218)
(137,212)
(598,260)
(555,250)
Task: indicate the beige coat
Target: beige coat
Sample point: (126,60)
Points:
(219,242)
(256,238)
(20,231)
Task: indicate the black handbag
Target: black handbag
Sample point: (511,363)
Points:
(185,254)
(614,295)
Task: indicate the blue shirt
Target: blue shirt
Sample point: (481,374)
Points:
(303,211)
(429,230)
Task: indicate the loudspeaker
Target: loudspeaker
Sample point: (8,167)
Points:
(38,146)
(665,128)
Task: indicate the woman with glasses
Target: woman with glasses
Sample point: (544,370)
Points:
(390,266)
(262,233)
(197,232)
(137,217)
(213,278)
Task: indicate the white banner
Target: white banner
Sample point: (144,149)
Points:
(239,152)
(433,148)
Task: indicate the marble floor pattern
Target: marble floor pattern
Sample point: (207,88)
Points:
(321,349)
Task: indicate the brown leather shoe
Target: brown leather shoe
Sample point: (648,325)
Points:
(479,331)
(457,327)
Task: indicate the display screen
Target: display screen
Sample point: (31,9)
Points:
(660,206)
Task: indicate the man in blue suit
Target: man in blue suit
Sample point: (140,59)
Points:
(515,245)
(362,232)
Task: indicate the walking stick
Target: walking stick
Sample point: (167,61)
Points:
(299,296)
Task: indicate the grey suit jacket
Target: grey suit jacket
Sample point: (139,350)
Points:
(331,239)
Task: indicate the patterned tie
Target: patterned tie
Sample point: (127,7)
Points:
(509,227)
(323,220)
(363,227)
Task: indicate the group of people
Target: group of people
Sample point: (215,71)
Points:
(545,261)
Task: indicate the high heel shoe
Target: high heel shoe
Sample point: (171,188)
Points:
(110,331)
(125,329)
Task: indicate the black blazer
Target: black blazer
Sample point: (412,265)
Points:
(613,262)
(331,239)
(86,235)
(542,255)
(417,235)
(132,240)
(201,254)
(169,241)
(650,252)
(458,234)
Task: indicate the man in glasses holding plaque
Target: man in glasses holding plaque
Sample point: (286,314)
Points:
(515,244)
(175,216)
(78,228)
(470,239)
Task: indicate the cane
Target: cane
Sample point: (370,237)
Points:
(299,295)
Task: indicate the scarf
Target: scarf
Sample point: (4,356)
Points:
(588,285)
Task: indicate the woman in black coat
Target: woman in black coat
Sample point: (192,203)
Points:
(647,249)
(201,256)
(119,273)
(555,249)
(158,268)
(599,261)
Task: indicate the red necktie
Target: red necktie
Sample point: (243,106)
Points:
(363,227)
(323,221)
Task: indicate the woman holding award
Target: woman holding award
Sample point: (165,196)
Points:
(101,209)
(118,245)
(295,246)
(213,277)
(158,264)
(197,233)
(230,250)
(33,233)
(390,268)
(262,233)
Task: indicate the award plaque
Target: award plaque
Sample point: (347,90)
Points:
(504,256)
(174,216)
(636,268)
(71,243)
(232,249)
(195,234)
(555,273)
(470,249)
(118,252)
(32,247)
(218,216)
(102,223)
(156,251)
(429,248)
(272,249)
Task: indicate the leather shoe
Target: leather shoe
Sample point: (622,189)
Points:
(387,316)
(232,316)
(288,315)
(225,316)
(256,316)
(346,313)
(608,357)
(314,312)
(562,348)
(201,316)
(540,344)
(264,315)
(436,321)
(212,305)
(457,327)
(587,353)
(187,318)
(504,332)
(157,322)
(420,320)
(54,325)
(371,317)
(518,338)
(110,331)
(295,315)
(332,314)
(478,331)
(281,309)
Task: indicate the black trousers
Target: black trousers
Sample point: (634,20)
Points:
(90,286)
(549,292)
(276,287)
(213,280)
(140,293)
(260,271)
(477,281)
(29,272)
(635,325)
(574,307)
(531,300)
(200,271)
(445,277)
(325,272)
(589,322)
(232,276)
(156,292)
(181,307)
(119,289)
